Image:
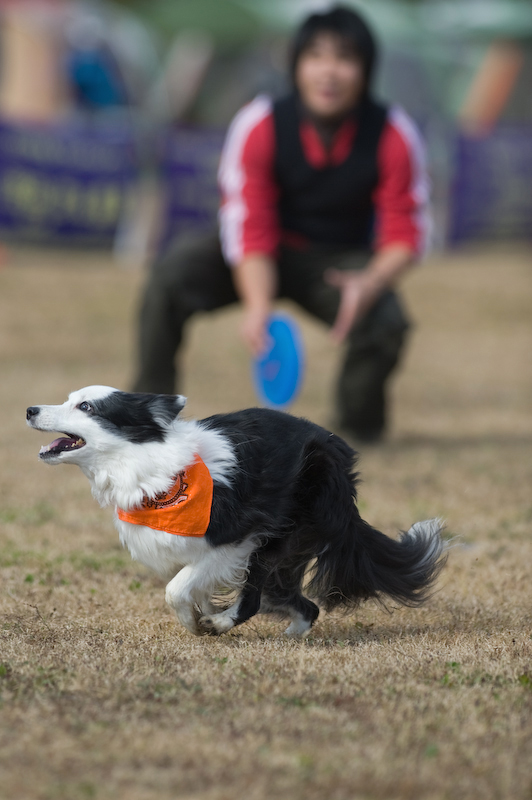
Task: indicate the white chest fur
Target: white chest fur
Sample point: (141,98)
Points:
(164,553)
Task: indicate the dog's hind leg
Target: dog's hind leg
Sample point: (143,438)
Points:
(282,595)
(301,611)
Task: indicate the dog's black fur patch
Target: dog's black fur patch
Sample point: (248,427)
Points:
(135,416)
(295,487)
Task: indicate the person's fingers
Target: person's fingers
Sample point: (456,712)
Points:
(348,303)
(254,342)
(260,344)
(356,295)
(255,336)
(345,316)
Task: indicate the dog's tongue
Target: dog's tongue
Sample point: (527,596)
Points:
(61,442)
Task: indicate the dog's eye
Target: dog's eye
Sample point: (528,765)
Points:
(85,407)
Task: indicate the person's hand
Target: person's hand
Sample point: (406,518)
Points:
(255,278)
(253,329)
(359,289)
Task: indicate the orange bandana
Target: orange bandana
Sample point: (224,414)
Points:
(185,509)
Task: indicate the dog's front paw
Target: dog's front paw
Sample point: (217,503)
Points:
(215,624)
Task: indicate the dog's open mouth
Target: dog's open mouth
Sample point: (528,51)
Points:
(62,445)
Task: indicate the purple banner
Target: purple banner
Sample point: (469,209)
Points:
(491,192)
(64,183)
(189,166)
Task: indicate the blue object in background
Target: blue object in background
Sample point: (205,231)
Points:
(278,373)
(96,79)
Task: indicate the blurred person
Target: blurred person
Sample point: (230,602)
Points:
(324,197)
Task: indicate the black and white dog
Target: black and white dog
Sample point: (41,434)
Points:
(257,501)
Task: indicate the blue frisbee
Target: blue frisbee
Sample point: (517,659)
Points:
(278,373)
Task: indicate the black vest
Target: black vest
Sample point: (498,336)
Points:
(332,205)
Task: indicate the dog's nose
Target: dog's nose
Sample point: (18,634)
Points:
(32,411)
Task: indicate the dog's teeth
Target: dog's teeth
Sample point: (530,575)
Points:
(44,449)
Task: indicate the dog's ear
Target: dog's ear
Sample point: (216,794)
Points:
(180,402)
(167,406)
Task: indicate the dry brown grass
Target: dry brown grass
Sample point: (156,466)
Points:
(104,696)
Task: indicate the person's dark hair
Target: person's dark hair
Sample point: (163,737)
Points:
(343,22)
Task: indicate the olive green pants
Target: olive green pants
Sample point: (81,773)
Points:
(193,276)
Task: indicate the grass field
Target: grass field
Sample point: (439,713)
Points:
(103,695)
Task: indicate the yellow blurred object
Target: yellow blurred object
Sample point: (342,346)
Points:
(491,87)
(33,87)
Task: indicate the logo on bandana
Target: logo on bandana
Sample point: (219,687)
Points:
(163,500)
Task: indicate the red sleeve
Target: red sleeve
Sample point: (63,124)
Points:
(402,195)
(248,213)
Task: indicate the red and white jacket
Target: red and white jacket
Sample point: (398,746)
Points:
(248,215)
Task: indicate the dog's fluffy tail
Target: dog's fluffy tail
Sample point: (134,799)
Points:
(364,563)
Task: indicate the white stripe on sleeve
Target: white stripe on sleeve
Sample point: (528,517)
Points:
(420,185)
(231,176)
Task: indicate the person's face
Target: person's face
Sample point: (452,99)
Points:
(329,76)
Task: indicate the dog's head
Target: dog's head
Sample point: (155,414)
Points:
(96,419)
